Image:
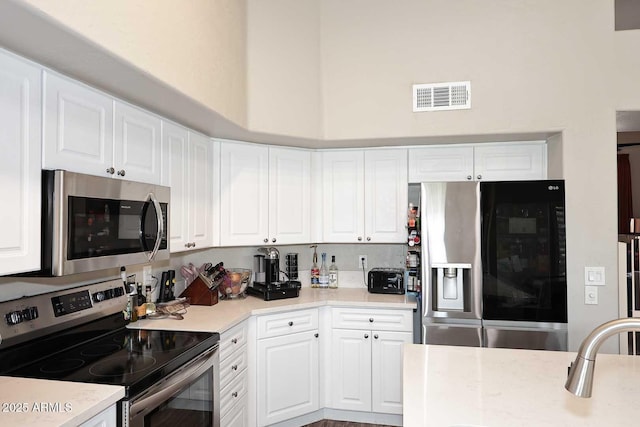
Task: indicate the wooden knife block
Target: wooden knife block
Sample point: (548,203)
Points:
(198,293)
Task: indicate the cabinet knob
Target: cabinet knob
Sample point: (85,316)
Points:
(376,336)
(479,177)
(371,319)
(366,335)
(266,240)
(234,341)
(290,323)
(187,245)
(234,368)
(368,239)
(234,394)
(359,238)
(121,172)
(111,171)
(193,244)
(273,240)
(469,177)
(316,335)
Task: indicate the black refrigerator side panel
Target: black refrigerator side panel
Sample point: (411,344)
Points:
(524,251)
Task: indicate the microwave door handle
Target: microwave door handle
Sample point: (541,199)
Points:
(155,202)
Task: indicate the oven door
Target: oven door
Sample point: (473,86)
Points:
(187,397)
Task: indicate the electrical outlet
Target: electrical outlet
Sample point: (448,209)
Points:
(362,261)
(146,275)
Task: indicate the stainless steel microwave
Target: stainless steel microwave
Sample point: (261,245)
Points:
(93,223)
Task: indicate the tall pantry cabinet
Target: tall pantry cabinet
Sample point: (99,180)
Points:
(20,133)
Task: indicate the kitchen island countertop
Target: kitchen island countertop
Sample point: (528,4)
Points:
(227,313)
(34,402)
(468,386)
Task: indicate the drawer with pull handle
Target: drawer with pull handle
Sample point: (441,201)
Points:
(233,392)
(233,339)
(232,366)
(275,325)
(367,319)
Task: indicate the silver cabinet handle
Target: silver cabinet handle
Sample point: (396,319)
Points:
(368,239)
(234,368)
(187,245)
(111,170)
(469,177)
(234,394)
(359,238)
(371,319)
(193,244)
(479,176)
(376,336)
(316,335)
(234,341)
(266,240)
(273,240)
(366,335)
(121,172)
(290,323)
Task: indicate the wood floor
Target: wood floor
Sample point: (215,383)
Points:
(332,423)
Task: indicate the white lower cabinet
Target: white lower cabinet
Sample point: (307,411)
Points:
(366,365)
(233,384)
(106,418)
(288,380)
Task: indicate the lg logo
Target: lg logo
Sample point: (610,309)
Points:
(553,187)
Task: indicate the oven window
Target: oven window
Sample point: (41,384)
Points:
(191,407)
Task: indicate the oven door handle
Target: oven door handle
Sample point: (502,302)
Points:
(171,385)
(160,219)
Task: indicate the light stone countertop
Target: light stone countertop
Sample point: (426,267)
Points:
(227,313)
(467,386)
(33,402)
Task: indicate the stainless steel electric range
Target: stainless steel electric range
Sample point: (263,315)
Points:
(80,335)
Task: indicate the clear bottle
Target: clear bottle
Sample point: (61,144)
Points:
(333,273)
(151,306)
(324,272)
(315,271)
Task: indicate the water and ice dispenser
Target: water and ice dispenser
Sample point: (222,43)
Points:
(450,281)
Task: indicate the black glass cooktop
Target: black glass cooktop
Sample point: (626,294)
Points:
(132,358)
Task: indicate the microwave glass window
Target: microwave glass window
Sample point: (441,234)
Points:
(102,227)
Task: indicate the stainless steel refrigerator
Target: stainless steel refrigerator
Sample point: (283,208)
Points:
(494,264)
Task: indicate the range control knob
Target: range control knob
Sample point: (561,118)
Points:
(13,318)
(30,313)
(109,293)
(98,296)
(118,292)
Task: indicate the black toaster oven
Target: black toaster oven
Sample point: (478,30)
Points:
(386,281)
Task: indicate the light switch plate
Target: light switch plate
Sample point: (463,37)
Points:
(594,276)
(591,295)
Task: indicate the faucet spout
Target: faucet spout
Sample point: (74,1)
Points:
(580,380)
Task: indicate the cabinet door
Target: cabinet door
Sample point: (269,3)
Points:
(244,186)
(289,196)
(454,163)
(176,175)
(137,144)
(288,376)
(106,418)
(510,162)
(343,198)
(385,196)
(78,133)
(201,172)
(350,370)
(386,364)
(20,163)
(238,416)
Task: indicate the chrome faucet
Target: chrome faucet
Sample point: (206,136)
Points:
(580,381)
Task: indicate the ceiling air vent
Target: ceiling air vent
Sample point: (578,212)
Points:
(441,96)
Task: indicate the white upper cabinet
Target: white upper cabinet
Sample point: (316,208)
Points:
(510,162)
(289,196)
(137,144)
(190,162)
(244,194)
(364,195)
(265,195)
(20,163)
(479,162)
(80,135)
(78,128)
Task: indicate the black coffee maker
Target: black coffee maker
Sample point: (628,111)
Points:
(266,277)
